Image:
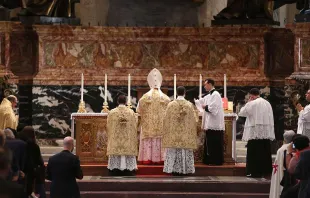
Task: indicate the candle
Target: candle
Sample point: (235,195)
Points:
(105,88)
(200,86)
(175,86)
(129,81)
(225,88)
(82,86)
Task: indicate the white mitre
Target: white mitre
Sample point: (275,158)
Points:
(155,79)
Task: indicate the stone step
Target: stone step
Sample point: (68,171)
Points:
(132,194)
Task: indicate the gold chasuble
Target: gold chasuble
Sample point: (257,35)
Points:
(152,107)
(180,124)
(122,132)
(8,118)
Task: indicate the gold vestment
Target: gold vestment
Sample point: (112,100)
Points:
(180,124)
(152,107)
(122,132)
(8,118)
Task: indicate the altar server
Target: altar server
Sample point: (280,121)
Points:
(180,137)
(304,117)
(258,132)
(213,124)
(8,119)
(122,146)
(151,108)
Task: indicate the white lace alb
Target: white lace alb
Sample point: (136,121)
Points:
(179,161)
(122,162)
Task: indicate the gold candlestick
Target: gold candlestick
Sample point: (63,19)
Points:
(105,108)
(129,105)
(82,107)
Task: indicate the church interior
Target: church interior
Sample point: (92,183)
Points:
(108,47)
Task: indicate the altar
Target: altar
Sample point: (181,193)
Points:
(89,130)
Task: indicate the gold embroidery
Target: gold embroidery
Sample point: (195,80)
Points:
(152,109)
(122,132)
(180,124)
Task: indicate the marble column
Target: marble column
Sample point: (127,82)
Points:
(93,12)
(209,9)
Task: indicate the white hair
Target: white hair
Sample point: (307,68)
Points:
(9,134)
(288,136)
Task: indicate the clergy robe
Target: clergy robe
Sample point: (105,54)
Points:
(122,147)
(180,137)
(258,131)
(151,108)
(8,118)
(304,122)
(214,125)
(277,173)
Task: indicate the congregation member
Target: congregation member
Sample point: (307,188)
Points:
(34,168)
(213,124)
(8,189)
(151,108)
(62,170)
(122,147)
(7,115)
(180,137)
(18,148)
(278,166)
(299,145)
(258,132)
(304,117)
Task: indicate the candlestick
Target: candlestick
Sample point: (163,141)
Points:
(82,87)
(225,88)
(200,86)
(105,88)
(175,86)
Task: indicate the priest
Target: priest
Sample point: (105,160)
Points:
(122,147)
(213,124)
(258,132)
(180,137)
(151,108)
(7,115)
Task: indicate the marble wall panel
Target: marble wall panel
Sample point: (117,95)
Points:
(53,105)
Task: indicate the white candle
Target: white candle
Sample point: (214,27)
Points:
(105,88)
(82,86)
(129,81)
(225,88)
(175,86)
(200,86)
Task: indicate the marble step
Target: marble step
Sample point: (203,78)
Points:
(131,194)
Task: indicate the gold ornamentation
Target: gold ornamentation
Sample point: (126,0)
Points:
(82,107)
(105,108)
(122,132)
(180,126)
(152,109)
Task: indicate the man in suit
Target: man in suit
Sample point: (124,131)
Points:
(8,189)
(63,169)
(18,147)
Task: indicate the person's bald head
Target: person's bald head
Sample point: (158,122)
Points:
(13,100)
(69,144)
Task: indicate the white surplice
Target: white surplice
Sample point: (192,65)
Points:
(214,119)
(304,122)
(259,122)
(277,173)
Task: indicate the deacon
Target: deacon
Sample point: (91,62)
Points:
(180,137)
(8,119)
(151,108)
(304,117)
(258,132)
(213,124)
(122,146)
